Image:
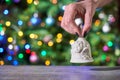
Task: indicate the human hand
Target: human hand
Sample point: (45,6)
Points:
(83,9)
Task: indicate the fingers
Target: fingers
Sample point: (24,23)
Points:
(68,23)
(87,22)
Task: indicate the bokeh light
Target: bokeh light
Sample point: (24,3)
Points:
(43,53)
(8,23)
(10,39)
(39,43)
(106,28)
(20,55)
(36,2)
(63,8)
(117,51)
(101,15)
(110,43)
(6,12)
(8,1)
(20,33)
(1,27)
(47,62)
(20,22)
(16,1)
(54,1)
(35,20)
(28,51)
(10,46)
(60,18)
(2,62)
(71,41)
(1,50)
(105,48)
(108,59)
(50,43)
(27,46)
(49,21)
(9,58)
(33,58)
(29,1)
(103,57)
(97,22)
(58,40)
(59,35)
(31,35)
(15,62)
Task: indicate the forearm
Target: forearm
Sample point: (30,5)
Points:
(101,3)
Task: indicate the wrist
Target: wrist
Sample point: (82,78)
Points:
(101,3)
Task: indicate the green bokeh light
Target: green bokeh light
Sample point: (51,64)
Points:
(103,57)
(0,25)
(110,43)
(43,53)
(8,1)
(20,55)
(1,28)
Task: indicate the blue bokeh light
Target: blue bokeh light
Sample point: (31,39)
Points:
(20,23)
(15,62)
(11,52)
(49,21)
(5,12)
(27,46)
(35,20)
(16,1)
(9,58)
(1,50)
(1,38)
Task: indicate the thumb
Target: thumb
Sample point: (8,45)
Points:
(87,22)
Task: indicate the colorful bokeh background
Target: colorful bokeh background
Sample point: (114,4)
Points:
(30,34)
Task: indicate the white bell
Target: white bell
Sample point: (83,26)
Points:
(81,51)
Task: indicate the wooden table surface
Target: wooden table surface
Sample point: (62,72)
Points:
(59,73)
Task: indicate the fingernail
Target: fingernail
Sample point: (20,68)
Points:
(85,34)
(77,34)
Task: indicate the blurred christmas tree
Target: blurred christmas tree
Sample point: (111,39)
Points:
(30,33)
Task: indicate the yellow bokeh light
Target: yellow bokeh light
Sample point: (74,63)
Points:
(58,40)
(60,18)
(97,22)
(2,62)
(36,2)
(29,1)
(59,35)
(72,41)
(39,43)
(20,33)
(10,39)
(50,43)
(42,24)
(47,62)
(98,33)
(4,29)
(8,23)
(36,36)
(54,1)
(23,41)
(32,36)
